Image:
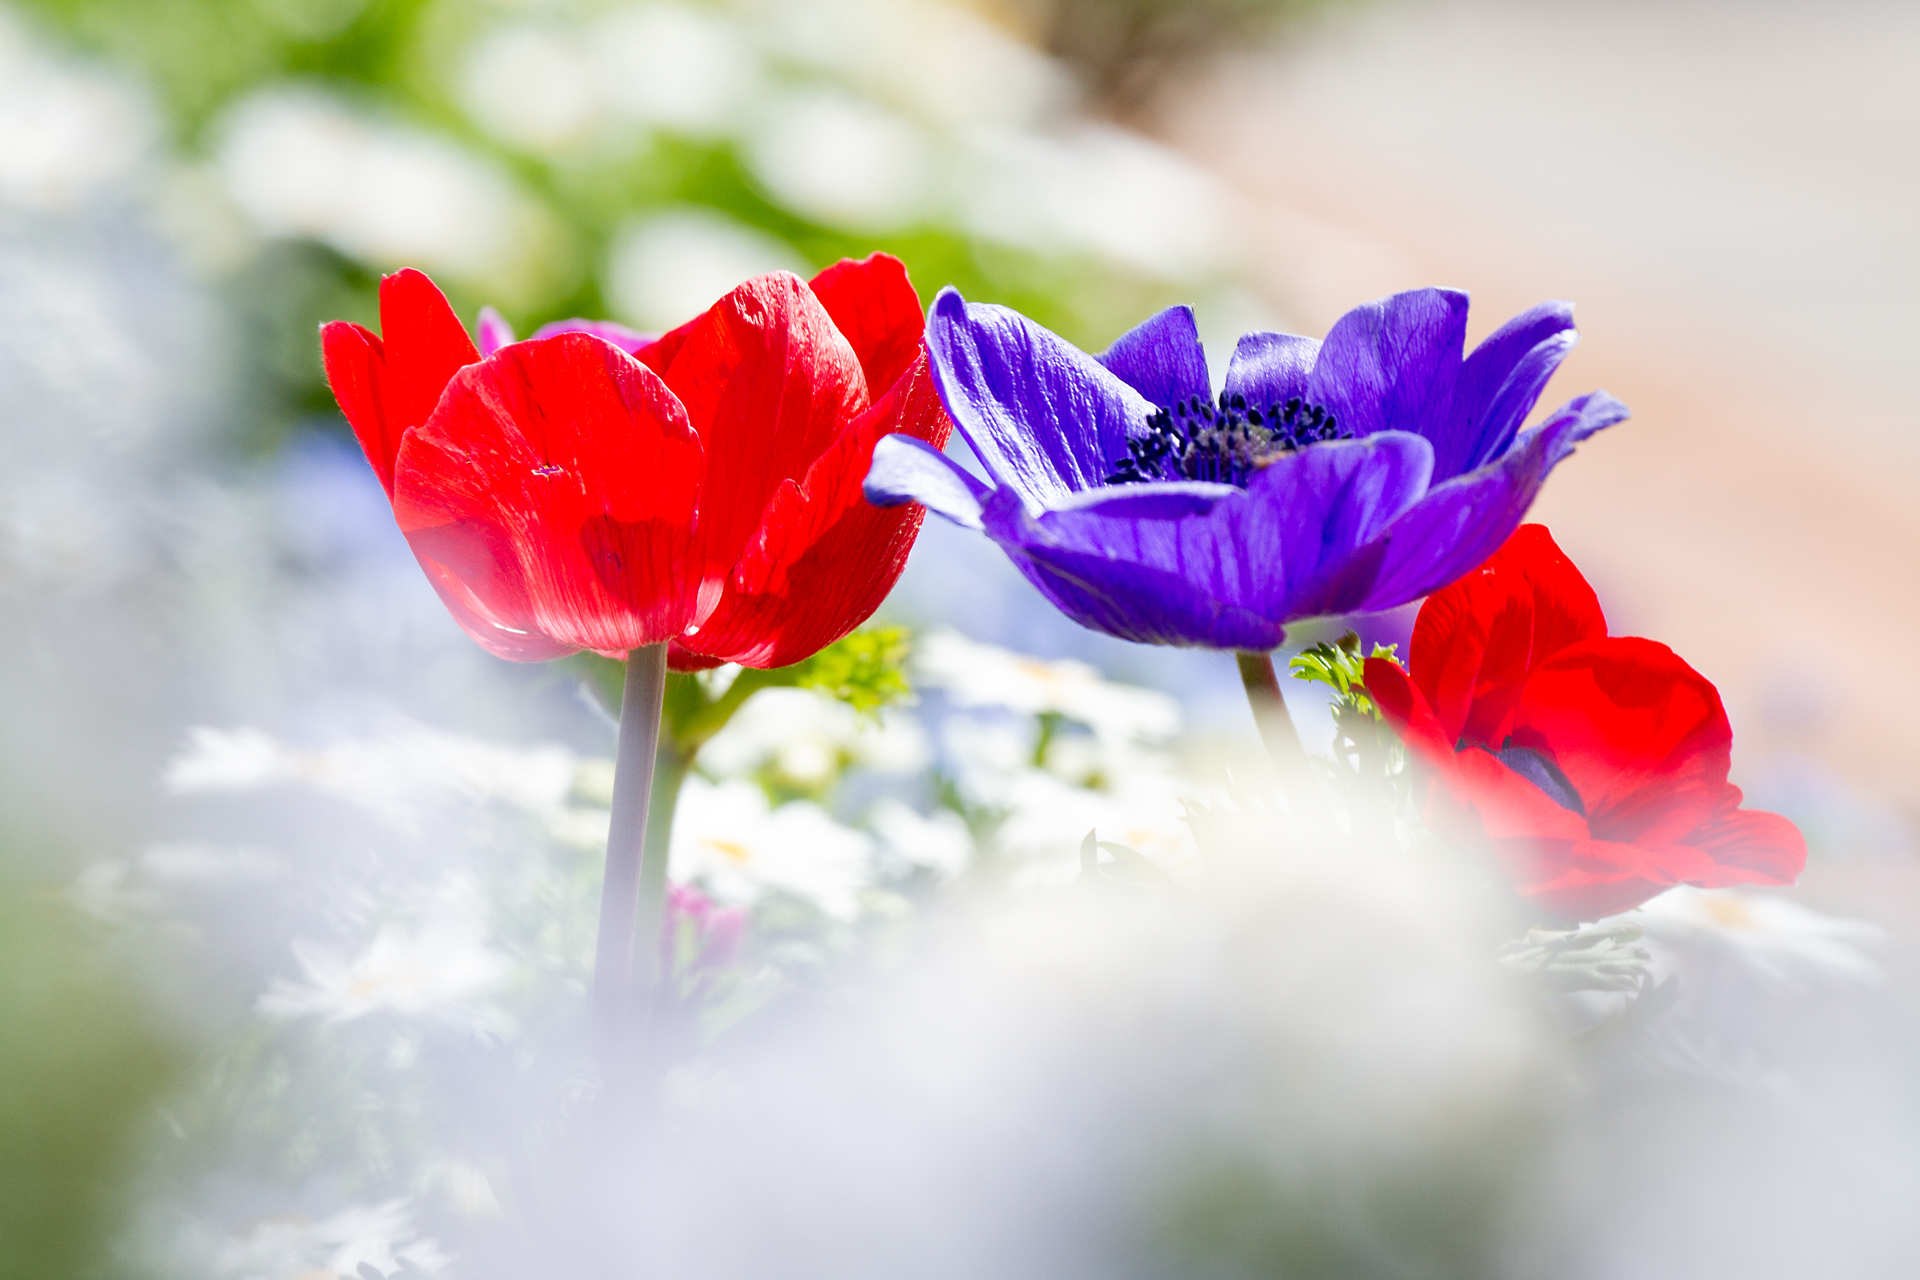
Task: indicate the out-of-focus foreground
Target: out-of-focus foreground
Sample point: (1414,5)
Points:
(302,883)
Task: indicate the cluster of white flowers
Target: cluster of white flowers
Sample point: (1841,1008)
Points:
(1364,975)
(1070,753)
(1037,753)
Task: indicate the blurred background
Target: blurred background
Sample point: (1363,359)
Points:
(190,539)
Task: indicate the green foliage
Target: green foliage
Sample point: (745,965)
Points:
(1363,744)
(863,670)
(1342,667)
(83,1064)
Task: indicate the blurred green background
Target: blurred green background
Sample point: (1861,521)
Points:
(559,158)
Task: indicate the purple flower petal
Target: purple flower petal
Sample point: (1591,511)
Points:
(1271,368)
(628,340)
(1216,566)
(1161,358)
(1499,385)
(1129,598)
(1322,507)
(1392,365)
(1460,523)
(908,469)
(1042,416)
(494,332)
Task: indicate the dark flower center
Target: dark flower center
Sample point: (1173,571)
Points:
(1225,442)
(1537,768)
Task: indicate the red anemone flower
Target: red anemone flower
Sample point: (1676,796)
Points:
(592,489)
(1596,766)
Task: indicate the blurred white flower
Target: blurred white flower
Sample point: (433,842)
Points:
(1281,1069)
(395,774)
(380,1236)
(1047,819)
(84,376)
(530,87)
(1100,190)
(806,737)
(299,163)
(841,161)
(1768,931)
(667,268)
(727,840)
(981,675)
(462,1187)
(942,60)
(65,132)
(938,841)
(442,971)
(195,863)
(673,66)
(1042,816)
(55,529)
(985,757)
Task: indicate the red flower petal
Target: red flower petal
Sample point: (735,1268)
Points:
(1469,653)
(683,659)
(387,386)
(768,383)
(823,557)
(874,306)
(1508,806)
(1583,879)
(1750,846)
(658,354)
(557,482)
(1639,733)
(1407,709)
(1475,642)
(1565,610)
(502,628)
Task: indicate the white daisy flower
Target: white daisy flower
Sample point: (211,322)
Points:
(982,675)
(1768,931)
(442,970)
(727,839)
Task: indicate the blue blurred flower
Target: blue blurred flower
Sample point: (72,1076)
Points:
(1327,478)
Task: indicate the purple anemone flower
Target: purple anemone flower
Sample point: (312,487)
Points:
(1335,477)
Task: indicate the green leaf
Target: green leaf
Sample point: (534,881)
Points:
(1341,667)
(1363,744)
(863,670)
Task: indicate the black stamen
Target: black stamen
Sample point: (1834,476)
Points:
(1195,439)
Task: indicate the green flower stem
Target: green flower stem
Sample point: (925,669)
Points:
(614,1003)
(670,768)
(1282,740)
